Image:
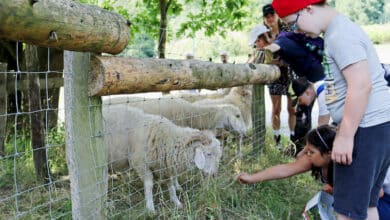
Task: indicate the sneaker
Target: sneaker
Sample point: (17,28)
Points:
(277,139)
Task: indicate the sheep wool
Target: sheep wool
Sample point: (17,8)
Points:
(184,113)
(238,96)
(154,146)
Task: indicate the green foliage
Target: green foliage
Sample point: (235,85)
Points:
(19,185)
(56,151)
(378,33)
(144,47)
(362,12)
(214,17)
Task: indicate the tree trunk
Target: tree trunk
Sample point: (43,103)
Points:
(36,118)
(117,75)
(63,24)
(164,5)
(55,59)
(23,84)
(3,106)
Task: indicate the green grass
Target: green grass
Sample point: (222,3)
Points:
(378,33)
(204,198)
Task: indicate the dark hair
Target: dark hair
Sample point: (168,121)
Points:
(322,138)
(265,37)
(268,9)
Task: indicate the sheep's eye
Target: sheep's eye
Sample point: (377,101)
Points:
(208,154)
(237,116)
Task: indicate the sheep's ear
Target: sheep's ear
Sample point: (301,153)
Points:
(201,137)
(200,160)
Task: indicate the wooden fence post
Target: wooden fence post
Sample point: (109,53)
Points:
(258,108)
(85,152)
(258,118)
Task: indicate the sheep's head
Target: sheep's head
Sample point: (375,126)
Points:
(231,119)
(207,152)
(242,91)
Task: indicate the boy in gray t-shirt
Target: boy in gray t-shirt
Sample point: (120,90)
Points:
(358,100)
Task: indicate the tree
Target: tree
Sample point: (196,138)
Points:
(374,9)
(36,117)
(211,16)
(152,16)
(362,12)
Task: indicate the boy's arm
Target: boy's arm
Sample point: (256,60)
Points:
(358,80)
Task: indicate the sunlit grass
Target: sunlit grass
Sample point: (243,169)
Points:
(204,198)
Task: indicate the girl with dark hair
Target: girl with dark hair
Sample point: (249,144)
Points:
(316,157)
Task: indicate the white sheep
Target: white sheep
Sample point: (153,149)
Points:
(152,144)
(238,96)
(183,113)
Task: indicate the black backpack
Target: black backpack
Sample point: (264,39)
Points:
(387,73)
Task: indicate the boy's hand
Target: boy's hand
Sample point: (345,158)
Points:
(342,150)
(244,178)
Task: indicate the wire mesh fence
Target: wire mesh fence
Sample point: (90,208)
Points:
(33,167)
(34,170)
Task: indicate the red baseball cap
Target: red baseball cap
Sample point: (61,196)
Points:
(287,7)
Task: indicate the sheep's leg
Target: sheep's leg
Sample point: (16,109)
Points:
(172,192)
(147,177)
(178,187)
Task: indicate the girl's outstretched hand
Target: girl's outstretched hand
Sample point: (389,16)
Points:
(244,178)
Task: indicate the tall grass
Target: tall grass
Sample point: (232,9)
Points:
(378,33)
(204,198)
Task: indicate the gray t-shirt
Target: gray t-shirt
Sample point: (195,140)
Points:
(345,44)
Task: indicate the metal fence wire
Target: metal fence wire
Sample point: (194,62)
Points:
(149,139)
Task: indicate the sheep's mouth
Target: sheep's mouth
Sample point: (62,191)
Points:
(209,174)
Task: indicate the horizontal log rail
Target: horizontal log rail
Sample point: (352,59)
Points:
(63,24)
(117,75)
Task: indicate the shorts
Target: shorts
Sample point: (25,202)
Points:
(384,207)
(280,86)
(356,186)
(277,89)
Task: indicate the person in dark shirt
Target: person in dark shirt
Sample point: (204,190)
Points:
(304,56)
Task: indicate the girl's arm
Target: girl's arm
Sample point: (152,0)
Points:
(300,165)
(273,47)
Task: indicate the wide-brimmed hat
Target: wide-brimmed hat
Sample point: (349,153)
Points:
(256,32)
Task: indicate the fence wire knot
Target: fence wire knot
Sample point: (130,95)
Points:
(53,36)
